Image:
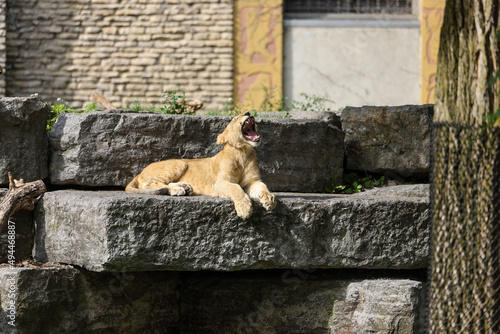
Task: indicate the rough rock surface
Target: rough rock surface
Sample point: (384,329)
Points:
(409,190)
(23,138)
(388,140)
(111,231)
(302,301)
(63,299)
(382,306)
(25,234)
(110,148)
(331,116)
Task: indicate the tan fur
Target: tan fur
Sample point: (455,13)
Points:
(232,173)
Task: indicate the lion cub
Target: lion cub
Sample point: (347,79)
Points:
(233,172)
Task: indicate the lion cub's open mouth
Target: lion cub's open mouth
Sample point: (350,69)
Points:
(248,130)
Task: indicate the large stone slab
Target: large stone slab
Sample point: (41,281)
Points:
(110,148)
(24,235)
(23,138)
(110,231)
(388,140)
(301,302)
(64,299)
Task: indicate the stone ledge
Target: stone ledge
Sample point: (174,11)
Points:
(109,148)
(302,302)
(63,299)
(116,231)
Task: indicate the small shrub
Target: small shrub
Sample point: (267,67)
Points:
(311,103)
(59,108)
(134,106)
(175,103)
(273,100)
(354,183)
(227,110)
(137,106)
(91,107)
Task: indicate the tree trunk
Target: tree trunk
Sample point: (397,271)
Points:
(21,196)
(468,59)
(464,291)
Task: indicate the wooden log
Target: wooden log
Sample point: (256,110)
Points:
(20,196)
(194,105)
(103,101)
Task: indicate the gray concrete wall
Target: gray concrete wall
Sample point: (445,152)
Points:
(354,63)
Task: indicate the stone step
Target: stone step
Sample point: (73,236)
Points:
(108,148)
(22,227)
(64,299)
(116,231)
(24,149)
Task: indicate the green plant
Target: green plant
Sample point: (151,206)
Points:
(175,103)
(59,108)
(91,107)
(311,103)
(227,110)
(273,100)
(134,106)
(354,183)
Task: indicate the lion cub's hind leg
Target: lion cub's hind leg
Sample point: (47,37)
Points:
(179,189)
(163,175)
(172,189)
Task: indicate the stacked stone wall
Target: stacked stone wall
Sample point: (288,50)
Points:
(126,50)
(139,263)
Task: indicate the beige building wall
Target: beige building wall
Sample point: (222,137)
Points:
(124,49)
(258,52)
(353,63)
(431,18)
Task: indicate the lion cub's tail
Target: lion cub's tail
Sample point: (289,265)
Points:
(132,188)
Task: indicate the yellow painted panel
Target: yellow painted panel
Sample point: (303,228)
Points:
(431,21)
(258,50)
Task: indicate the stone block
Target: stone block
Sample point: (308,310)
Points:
(392,140)
(116,231)
(24,149)
(25,234)
(63,299)
(110,148)
(383,306)
(303,301)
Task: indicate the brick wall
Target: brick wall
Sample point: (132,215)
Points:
(124,49)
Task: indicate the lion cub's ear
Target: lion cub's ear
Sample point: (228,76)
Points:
(229,135)
(221,139)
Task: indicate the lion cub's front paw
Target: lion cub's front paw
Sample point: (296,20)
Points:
(244,208)
(268,201)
